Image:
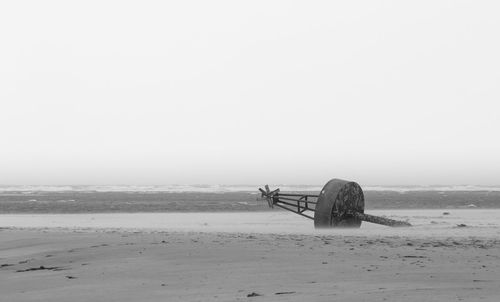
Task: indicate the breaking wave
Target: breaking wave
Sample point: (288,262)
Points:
(227,188)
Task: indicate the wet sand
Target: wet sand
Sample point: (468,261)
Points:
(104,263)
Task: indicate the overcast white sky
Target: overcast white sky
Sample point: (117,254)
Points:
(164,92)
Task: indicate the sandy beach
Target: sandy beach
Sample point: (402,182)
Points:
(185,151)
(263,257)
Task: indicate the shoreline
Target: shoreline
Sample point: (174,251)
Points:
(433,223)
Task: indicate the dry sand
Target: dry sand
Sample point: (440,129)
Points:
(78,262)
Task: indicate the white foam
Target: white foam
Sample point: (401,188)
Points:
(228,188)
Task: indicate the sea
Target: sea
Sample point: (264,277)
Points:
(224,198)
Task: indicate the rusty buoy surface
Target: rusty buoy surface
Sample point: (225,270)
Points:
(336,202)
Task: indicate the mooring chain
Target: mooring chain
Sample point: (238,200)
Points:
(269,195)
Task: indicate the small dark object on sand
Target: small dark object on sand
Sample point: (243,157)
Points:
(461,225)
(53,268)
(253,294)
(284,293)
(446,213)
(70,277)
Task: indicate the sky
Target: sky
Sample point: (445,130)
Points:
(249,92)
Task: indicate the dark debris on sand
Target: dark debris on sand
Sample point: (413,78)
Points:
(253,294)
(41,268)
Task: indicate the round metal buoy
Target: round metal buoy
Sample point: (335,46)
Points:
(336,201)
